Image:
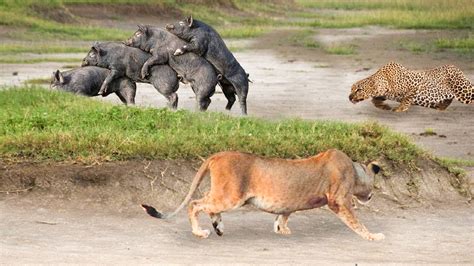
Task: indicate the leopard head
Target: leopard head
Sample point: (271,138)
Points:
(362,90)
(375,85)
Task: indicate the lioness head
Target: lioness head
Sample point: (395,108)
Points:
(364,181)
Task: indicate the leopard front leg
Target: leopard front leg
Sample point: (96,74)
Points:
(404,104)
(379,103)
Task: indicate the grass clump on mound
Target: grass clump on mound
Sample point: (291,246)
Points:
(41,124)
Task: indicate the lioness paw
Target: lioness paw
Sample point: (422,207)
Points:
(202,233)
(284,231)
(277,228)
(376,237)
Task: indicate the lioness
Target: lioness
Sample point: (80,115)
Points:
(281,187)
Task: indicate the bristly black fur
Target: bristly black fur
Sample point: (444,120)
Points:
(152,211)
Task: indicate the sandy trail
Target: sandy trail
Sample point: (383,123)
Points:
(435,235)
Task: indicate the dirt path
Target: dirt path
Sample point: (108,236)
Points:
(36,235)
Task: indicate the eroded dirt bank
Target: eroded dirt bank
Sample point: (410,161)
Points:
(90,214)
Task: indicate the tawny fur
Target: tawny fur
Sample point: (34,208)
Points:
(435,88)
(279,186)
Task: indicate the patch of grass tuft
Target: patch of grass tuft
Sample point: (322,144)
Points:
(458,180)
(463,45)
(38,81)
(414,47)
(242,32)
(341,49)
(303,38)
(39,48)
(24,60)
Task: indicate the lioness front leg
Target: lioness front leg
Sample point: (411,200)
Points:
(379,103)
(345,212)
(280,226)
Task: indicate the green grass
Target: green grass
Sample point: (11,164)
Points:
(411,14)
(415,47)
(38,81)
(40,124)
(341,49)
(40,48)
(242,32)
(25,60)
(452,162)
(460,45)
(302,38)
(459,179)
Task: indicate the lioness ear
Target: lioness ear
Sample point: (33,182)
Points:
(189,20)
(374,167)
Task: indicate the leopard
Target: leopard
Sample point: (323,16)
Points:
(435,88)
(279,186)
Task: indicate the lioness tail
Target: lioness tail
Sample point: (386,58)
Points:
(201,173)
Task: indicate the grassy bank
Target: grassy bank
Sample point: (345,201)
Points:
(38,18)
(41,124)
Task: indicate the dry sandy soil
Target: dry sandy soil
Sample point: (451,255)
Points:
(414,236)
(287,82)
(91,214)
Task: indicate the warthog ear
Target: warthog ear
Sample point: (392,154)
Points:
(189,21)
(143,28)
(58,76)
(374,167)
(96,47)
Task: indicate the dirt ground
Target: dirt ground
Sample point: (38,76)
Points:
(90,214)
(92,225)
(432,236)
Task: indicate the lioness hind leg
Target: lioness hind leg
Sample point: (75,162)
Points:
(194,208)
(345,212)
(211,207)
(280,226)
(217,223)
